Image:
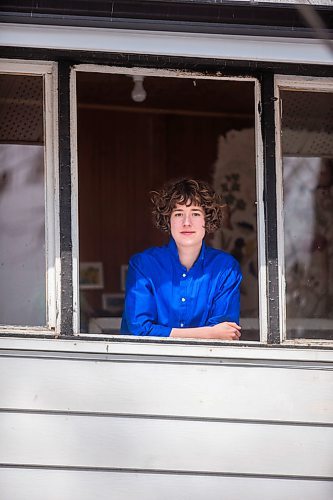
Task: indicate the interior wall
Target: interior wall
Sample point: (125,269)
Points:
(122,156)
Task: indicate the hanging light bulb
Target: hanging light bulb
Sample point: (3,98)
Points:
(138,93)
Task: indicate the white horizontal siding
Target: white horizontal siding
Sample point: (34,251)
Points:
(165,444)
(80,426)
(29,484)
(275,393)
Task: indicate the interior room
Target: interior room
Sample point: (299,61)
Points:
(134,133)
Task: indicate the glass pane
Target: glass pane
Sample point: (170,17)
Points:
(22,219)
(202,129)
(307,148)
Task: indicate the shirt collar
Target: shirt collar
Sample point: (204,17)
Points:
(174,251)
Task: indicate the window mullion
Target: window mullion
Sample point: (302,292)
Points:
(65,193)
(270,200)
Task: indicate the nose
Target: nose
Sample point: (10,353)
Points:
(187,219)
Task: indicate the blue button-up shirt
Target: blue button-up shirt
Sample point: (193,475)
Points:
(162,294)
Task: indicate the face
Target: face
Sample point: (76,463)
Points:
(187,224)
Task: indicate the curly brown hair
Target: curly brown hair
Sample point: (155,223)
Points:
(186,192)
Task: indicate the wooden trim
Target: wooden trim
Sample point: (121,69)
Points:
(292,83)
(75,203)
(178,349)
(306,83)
(279,215)
(65,200)
(268,133)
(261,233)
(167,43)
(52,198)
(220,66)
(47,70)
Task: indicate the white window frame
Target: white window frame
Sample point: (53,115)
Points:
(92,68)
(48,70)
(301,83)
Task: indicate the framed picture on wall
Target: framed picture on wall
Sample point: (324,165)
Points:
(91,275)
(113,303)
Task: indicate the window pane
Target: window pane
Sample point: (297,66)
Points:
(307,147)
(22,218)
(203,129)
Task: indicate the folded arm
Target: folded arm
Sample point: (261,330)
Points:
(140,315)
(140,305)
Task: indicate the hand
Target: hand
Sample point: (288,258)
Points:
(224,331)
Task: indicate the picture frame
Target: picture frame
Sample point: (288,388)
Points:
(123,274)
(113,303)
(91,275)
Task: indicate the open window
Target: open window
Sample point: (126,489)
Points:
(305,152)
(137,129)
(134,130)
(27,189)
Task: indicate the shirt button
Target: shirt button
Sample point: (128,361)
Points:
(181,324)
(183,299)
(184,275)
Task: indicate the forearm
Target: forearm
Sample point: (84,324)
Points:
(201,332)
(221,331)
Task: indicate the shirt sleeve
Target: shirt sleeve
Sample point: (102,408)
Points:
(140,314)
(226,303)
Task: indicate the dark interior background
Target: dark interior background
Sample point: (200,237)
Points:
(126,149)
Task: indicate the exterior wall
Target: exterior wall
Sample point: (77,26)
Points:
(251,423)
(83,420)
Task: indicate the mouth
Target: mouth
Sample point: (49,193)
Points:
(187,232)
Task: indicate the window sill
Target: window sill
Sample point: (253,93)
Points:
(159,349)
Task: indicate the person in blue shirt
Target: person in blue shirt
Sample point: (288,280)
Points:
(184,289)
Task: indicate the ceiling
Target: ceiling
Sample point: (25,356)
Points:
(172,94)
